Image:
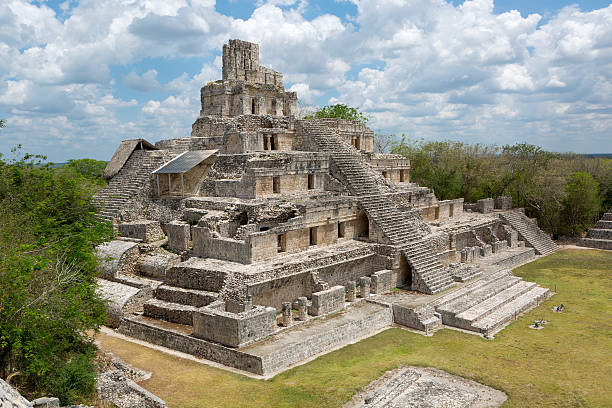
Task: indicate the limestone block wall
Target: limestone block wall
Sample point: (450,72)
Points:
(213,323)
(179,236)
(206,245)
(327,301)
(145,230)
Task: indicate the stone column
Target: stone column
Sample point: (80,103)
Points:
(287,319)
(351,290)
(303,308)
(365,283)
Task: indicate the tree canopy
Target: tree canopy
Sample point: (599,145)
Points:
(339,111)
(566,192)
(48,300)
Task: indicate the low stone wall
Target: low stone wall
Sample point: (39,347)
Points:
(190,275)
(326,340)
(516,258)
(233,329)
(327,301)
(382,281)
(420,318)
(191,345)
(145,230)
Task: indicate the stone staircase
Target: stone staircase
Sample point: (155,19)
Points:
(187,287)
(488,304)
(600,236)
(131,179)
(429,276)
(176,305)
(529,232)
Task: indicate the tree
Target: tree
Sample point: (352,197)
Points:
(91,170)
(383,142)
(339,111)
(581,204)
(48,301)
(2,123)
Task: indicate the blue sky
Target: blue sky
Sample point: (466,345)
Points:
(78,77)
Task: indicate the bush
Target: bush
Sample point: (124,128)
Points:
(48,301)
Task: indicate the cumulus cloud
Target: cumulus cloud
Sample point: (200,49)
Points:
(427,68)
(144,83)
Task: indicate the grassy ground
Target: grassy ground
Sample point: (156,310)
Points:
(567,364)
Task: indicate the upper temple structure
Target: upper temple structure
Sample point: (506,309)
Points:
(262,239)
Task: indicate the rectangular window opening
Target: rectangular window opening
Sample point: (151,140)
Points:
(273,142)
(276,184)
(253,106)
(266,143)
(385,175)
(402,176)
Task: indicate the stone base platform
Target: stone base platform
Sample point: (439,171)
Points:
(427,388)
(291,346)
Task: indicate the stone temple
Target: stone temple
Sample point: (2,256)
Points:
(263,240)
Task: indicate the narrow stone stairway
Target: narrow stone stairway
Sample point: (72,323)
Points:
(131,179)
(429,276)
(529,232)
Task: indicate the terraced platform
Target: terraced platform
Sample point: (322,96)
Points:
(600,236)
(486,305)
(287,347)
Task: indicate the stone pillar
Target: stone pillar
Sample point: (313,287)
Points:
(365,283)
(287,319)
(302,308)
(351,290)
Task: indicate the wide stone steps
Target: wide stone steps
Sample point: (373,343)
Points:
(131,179)
(476,296)
(495,321)
(487,304)
(466,318)
(529,232)
(170,312)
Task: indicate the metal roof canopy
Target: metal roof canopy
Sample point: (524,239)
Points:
(185,161)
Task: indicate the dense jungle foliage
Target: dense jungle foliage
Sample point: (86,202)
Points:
(566,192)
(49,308)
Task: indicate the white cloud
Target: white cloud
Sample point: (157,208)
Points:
(421,67)
(144,83)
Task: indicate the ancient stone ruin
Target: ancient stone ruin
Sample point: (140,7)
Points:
(600,236)
(263,240)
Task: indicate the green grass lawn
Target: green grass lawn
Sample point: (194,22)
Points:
(567,364)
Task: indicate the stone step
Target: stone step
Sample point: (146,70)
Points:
(599,233)
(191,297)
(476,296)
(597,243)
(466,318)
(495,321)
(168,311)
(470,287)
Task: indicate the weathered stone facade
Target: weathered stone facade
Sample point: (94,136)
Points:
(294,237)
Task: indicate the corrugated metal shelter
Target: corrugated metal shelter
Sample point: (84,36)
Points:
(189,167)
